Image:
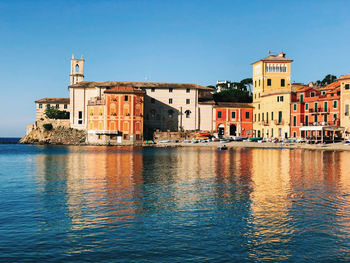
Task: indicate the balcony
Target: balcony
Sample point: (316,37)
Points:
(279,122)
(96,101)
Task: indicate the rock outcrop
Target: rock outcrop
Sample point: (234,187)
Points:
(57,135)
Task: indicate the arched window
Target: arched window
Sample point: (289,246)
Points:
(113,109)
(187,112)
(77,68)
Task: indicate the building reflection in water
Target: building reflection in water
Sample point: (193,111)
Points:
(257,194)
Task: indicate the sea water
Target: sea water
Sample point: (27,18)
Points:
(190,204)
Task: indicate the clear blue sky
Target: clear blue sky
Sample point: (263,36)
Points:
(168,41)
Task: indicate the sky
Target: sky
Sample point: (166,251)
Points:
(186,41)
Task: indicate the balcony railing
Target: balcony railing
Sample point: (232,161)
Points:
(279,122)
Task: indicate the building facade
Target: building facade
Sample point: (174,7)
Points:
(41,105)
(233,119)
(345,103)
(272,96)
(314,106)
(116,117)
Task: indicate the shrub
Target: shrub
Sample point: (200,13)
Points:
(47,126)
(53,113)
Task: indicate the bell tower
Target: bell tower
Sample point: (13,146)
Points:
(76,70)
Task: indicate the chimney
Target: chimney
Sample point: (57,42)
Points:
(282,55)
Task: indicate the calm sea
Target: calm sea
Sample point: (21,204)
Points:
(106,204)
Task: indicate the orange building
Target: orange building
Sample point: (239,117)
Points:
(116,117)
(233,119)
(315,109)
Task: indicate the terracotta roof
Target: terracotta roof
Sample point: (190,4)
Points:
(333,85)
(53,100)
(276,58)
(345,76)
(127,90)
(158,85)
(233,105)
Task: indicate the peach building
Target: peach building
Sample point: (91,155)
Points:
(116,117)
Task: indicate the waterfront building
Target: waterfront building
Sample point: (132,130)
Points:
(233,119)
(345,102)
(315,110)
(41,105)
(116,117)
(272,96)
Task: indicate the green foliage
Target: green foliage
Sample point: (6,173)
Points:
(233,95)
(328,79)
(53,113)
(47,126)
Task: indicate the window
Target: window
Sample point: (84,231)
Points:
(294,134)
(323,92)
(272,115)
(219,114)
(77,68)
(258,106)
(171,90)
(334,117)
(259,95)
(283,82)
(80,121)
(153,89)
(259,117)
(325,105)
(247,115)
(307,106)
(255,95)
(316,119)
(65,106)
(295,107)
(335,104)
(268,82)
(262,116)
(347,86)
(188,90)
(187,112)
(306,120)
(254,117)
(170,113)
(170,101)
(40,106)
(57,106)
(315,106)
(126,98)
(267,117)
(325,118)
(301,98)
(188,101)
(280,117)
(153,100)
(294,121)
(233,115)
(278,98)
(281,98)
(80,113)
(312,94)
(259,82)
(254,83)
(347,110)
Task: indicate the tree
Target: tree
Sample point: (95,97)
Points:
(53,113)
(328,79)
(233,95)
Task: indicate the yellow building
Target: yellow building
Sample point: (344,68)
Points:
(272,96)
(345,102)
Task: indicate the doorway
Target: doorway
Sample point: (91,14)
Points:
(233,130)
